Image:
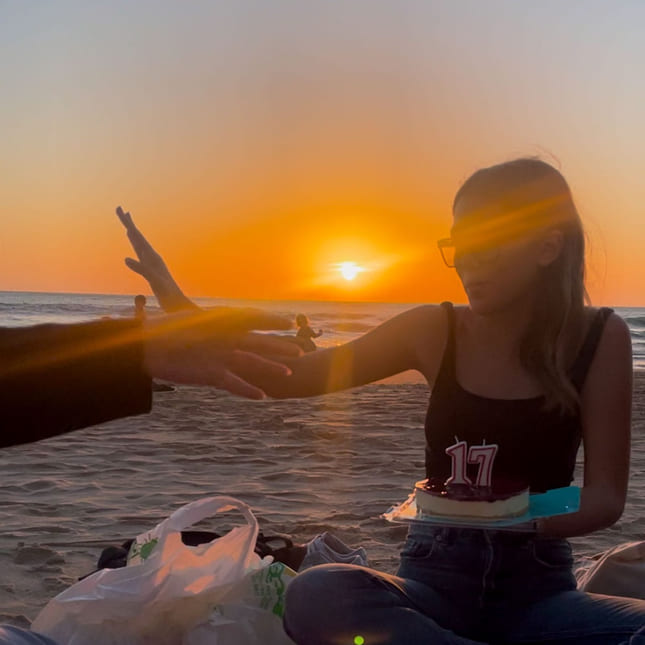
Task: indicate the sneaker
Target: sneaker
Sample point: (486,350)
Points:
(326,548)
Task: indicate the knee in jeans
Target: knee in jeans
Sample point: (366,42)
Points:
(312,587)
(319,601)
(322,588)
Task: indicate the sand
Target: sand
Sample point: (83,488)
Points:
(331,463)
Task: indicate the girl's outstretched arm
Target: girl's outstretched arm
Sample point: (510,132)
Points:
(413,340)
(606,402)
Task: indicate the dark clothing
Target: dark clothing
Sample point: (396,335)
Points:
(527,435)
(304,338)
(58,378)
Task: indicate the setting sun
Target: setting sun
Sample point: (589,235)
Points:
(349,270)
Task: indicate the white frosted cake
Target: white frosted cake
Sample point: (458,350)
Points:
(503,499)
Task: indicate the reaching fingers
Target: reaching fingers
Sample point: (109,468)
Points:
(212,331)
(218,326)
(160,282)
(141,246)
(212,373)
(246,373)
(235,385)
(235,371)
(269,344)
(247,364)
(247,318)
(126,218)
(135,266)
(185,349)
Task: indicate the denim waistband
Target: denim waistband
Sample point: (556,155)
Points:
(467,535)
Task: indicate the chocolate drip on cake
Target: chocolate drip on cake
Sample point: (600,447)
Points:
(500,489)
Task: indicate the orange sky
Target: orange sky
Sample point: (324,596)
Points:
(258,144)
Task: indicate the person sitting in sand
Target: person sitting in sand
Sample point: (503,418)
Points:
(306,334)
(528,365)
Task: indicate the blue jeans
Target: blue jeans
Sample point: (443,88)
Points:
(458,586)
(10,635)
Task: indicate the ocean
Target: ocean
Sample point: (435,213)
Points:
(340,321)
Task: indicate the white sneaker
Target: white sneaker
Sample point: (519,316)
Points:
(326,548)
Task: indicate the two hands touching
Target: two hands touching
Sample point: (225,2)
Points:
(218,347)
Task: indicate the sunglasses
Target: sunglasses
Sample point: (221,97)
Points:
(449,252)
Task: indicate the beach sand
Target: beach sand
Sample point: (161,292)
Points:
(331,463)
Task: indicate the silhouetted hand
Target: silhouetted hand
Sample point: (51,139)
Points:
(215,347)
(151,266)
(218,348)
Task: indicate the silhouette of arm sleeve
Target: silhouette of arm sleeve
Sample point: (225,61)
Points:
(59,378)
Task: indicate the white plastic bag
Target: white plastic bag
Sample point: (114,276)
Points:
(173,594)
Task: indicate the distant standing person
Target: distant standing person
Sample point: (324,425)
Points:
(141,314)
(306,333)
(140,307)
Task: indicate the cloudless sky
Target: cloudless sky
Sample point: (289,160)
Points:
(259,143)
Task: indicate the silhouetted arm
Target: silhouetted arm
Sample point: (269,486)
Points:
(59,378)
(151,266)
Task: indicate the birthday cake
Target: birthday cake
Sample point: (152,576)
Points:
(501,499)
(463,495)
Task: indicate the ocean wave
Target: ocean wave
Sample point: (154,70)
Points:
(340,321)
(345,315)
(636,325)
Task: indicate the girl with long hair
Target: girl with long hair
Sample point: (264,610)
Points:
(527,365)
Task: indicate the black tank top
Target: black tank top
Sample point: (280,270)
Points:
(535,445)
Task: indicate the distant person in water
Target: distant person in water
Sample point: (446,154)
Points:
(140,307)
(141,314)
(305,334)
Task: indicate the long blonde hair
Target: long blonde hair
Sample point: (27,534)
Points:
(533,194)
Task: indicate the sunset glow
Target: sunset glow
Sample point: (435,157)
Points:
(284,151)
